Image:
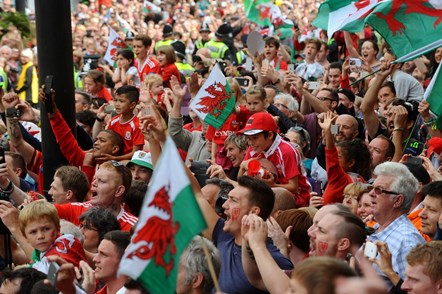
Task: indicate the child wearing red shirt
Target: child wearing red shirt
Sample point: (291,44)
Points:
(167,58)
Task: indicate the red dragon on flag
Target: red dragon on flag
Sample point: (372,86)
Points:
(158,232)
(214,105)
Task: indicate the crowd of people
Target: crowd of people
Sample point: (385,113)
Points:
(325,178)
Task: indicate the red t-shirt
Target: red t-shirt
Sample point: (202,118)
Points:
(230,126)
(288,163)
(72,211)
(167,71)
(150,66)
(105,94)
(129,131)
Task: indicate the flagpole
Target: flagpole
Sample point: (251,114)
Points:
(363,78)
(210,264)
(249,8)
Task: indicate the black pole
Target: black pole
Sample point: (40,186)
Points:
(20,5)
(54,43)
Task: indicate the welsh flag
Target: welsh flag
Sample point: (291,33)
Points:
(433,93)
(115,43)
(411,28)
(124,25)
(150,7)
(346,15)
(169,219)
(214,102)
(259,11)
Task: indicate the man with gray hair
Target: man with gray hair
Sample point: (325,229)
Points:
(288,105)
(392,195)
(193,272)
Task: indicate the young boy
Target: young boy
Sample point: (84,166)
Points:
(125,123)
(266,145)
(310,69)
(40,224)
(144,63)
(271,54)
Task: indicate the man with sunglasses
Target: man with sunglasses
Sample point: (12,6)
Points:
(392,195)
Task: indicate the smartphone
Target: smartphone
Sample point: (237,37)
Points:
(415,160)
(53,273)
(313,85)
(223,66)
(243,82)
(335,129)
(13,112)
(355,62)
(371,250)
(291,67)
(48,86)
(2,154)
(109,108)
(317,187)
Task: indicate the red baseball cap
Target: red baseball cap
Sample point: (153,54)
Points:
(259,122)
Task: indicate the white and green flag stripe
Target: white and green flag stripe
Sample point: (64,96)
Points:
(214,102)
(346,15)
(169,219)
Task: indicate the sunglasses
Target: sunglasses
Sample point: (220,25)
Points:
(119,167)
(379,191)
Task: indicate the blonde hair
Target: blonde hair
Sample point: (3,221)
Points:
(357,190)
(37,210)
(236,89)
(152,79)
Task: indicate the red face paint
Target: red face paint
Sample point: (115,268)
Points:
(235,213)
(322,248)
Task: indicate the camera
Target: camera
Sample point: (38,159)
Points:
(13,112)
(199,168)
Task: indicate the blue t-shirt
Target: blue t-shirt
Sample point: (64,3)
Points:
(232,278)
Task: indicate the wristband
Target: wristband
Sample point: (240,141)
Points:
(429,123)
(99,119)
(398,129)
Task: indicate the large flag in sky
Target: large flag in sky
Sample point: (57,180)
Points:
(115,43)
(259,11)
(169,219)
(214,102)
(150,7)
(433,93)
(411,28)
(346,15)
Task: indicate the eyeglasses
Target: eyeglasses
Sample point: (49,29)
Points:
(119,167)
(281,105)
(87,227)
(379,191)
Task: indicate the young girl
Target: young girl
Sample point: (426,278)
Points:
(126,71)
(94,84)
(154,83)
(166,58)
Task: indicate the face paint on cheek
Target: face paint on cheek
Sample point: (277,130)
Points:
(235,213)
(322,248)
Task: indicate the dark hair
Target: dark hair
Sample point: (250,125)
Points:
(116,140)
(96,75)
(357,151)
(147,41)
(260,195)
(352,228)
(335,64)
(135,196)
(135,285)
(411,108)
(300,221)
(433,189)
(101,219)
(18,162)
(41,288)
(272,41)
(375,46)
(391,148)
(73,179)
(224,186)
(28,276)
(128,54)
(334,95)
(120,239)
(131,93)
(86,117)
(390,85)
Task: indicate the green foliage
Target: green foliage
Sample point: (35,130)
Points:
(20,20)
